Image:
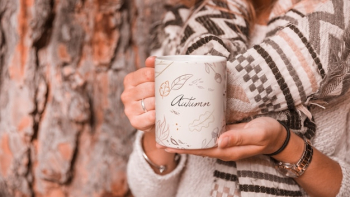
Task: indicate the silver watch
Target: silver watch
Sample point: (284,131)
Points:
(297,169)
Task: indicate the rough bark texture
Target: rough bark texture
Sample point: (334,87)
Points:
(63,131)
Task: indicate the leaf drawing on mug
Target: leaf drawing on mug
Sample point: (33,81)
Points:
(217,76)
(164,89)
(180,81)
(174,141)
(179,143)
(162,129)
(175,112)
(203,121)
(177,84)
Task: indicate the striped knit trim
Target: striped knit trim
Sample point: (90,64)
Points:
(309,48)
(227,163)
(265,176)
(293,120)
(278,23)
(269,190)
(279,78)
(290,68)
(177,21)
(334,16)
(203,41)
(211,24)
(286,17)
(311,129)
(225,176)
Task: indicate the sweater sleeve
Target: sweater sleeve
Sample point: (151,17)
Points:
(143,181)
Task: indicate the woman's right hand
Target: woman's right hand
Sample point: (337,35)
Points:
(139,85)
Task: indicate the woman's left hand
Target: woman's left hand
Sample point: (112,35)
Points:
(262,135)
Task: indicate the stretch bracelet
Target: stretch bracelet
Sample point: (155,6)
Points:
(285,143)
(161,168)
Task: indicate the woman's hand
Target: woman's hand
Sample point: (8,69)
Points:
(139,85)
(260,136)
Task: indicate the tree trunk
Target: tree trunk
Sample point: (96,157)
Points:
(63,131)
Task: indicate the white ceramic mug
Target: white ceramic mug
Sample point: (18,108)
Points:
(190,92)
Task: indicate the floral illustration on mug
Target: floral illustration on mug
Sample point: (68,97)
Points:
(177,84)
(203,121)
(217,77)
(214,136)
(162,129)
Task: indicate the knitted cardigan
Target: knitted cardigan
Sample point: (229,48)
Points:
(303,62)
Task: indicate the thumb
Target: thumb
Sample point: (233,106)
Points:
(150,61)
(237,137)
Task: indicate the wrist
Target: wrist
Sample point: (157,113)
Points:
(157,158)
(297,169)
(293,151)
(284,135)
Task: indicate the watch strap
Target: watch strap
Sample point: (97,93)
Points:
(299,168)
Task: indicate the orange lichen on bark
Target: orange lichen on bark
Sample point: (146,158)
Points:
(6,155)
(24,123)
(66,151)
(105,38)
(20,58)
(101,91)
(63,53)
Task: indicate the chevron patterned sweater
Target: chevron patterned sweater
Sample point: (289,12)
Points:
(302,63)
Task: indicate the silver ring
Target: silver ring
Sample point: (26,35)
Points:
(143,106)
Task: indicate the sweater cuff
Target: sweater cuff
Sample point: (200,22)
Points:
(143,180)
(345,183)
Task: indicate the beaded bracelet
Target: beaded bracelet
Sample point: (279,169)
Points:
(285,143)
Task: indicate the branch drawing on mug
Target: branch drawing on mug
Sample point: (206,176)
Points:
(162,129)
(177,84)
(217,76)
(203,121)
(161,63)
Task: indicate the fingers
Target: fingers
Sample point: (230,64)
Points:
(135,108)
(228,154)
(138,77)
(235,126)
(145,121)
(142,91)
(150,61)
(241,137)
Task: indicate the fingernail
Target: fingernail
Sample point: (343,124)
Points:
(223,142)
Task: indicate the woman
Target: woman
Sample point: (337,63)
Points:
(302,61)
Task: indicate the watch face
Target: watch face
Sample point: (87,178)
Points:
(286,170)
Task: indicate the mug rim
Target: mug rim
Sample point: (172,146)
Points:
(192,58)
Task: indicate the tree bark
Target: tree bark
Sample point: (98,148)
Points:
(63,131)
